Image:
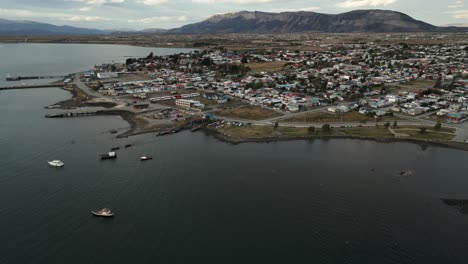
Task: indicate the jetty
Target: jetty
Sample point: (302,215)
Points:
(72,114)
(19,78)
(49,85)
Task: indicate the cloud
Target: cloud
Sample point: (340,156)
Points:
(458,4)
(459,14)
(98,2)
(236,1)
(153,2)
(159,19)
(23,13)
(365,3)
(90,4)
(79,18)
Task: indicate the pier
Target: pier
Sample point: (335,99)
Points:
(72,114)
(19,78)
(56,85)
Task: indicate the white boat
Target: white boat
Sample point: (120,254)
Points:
(56,163)
(104,212)
(146,158)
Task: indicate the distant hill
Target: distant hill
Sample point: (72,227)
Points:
(21,27)
(154,30)
(294,22)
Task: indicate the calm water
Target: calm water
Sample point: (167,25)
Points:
(204,201)
(58,59)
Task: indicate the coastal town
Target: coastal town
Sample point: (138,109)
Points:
(355,89)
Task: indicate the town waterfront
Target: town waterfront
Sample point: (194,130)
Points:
(204,201)
(201,200)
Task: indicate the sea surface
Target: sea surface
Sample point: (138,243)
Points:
(204,201)
(60,59)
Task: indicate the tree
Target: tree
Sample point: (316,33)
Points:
(326,128)
(311,130)
(395,124)
(150,56)
(276,125)
(244,60)
(387,125)
(438,125)
(422,130)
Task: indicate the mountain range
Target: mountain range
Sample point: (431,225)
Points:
(257,22)
(23,27)
(294,22)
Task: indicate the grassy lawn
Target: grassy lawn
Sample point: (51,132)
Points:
(376,132)
(249,132)
(273,66)
(428,135)
(269,131)
(366,131)
(293,131)
(327,117)
(248,112)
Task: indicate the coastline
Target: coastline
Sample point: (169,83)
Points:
(422,143)
(79,99)
(137,129)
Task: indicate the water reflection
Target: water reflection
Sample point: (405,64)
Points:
(462,205)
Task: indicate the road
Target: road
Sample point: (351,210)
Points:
(90,92)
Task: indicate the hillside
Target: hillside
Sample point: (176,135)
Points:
(294,22)
(21,27)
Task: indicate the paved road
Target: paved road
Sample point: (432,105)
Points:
(90,92)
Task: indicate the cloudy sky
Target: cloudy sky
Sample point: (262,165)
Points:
(140,14)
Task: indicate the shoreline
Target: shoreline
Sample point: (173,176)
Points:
(136,129)
(422,143)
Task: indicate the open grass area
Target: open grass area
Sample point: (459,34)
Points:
(369,131)
(327,117)
(273,66)
(269,131)
(410,86)
(248,112)
(249,131)
(428,135)
(378,132)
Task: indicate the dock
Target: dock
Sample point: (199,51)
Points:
(19,78)
(72,114)
(32,86)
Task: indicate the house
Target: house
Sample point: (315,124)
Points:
(455,117)
(189,103)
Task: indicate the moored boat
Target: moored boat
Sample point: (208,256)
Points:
(104,212)
(143,158)
(56,163)
(110,155)
(115,148)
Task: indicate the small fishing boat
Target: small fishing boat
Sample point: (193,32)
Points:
(115,148)
(406,173)
(110,155)
(143,158)
(128,145)
(104,212)
(113,131)
(56,163)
